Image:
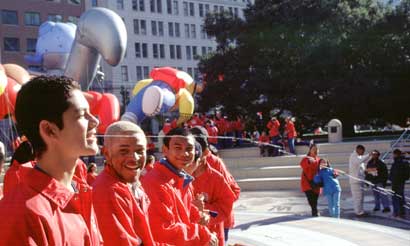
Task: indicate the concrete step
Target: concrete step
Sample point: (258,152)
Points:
(273,183)
(274,172)
(241,162)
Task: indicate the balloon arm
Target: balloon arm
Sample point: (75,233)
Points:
(186,106)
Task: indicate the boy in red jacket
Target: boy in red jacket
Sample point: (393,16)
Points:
(168,187)
(122,219)
(48,208)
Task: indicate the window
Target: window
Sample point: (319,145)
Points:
(203,33)
(32,19)
(235,12)
(169,7)
(139,73)
(190,71)
(170,29)
(175,6)
(203,48)
(11,44)
(142,5)
(120,4)
(207,8)
(179,53)
(185,7)
(230,10)
(188,53)
(187,30)
(55,18)
(136,26)
(172,51)
(221,9)
(144,50)
(194,53)
(216,8)
(196,74)
(154,28)
(160,28)
(143,26)
(94,3)
(161,51)
(152,6)
(73,19)
(137,50)
(135,5)
(9,17)
(193,31)
(201,10)
(75,2)
(191,9)
(155,50)
(159,6)
(31,44)
(177,31)
(209,49)
(146,72)
(124,73)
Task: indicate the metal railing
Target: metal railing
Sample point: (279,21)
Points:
(400,142)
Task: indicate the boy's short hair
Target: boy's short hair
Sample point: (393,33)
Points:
(120,127)
(183,132)
(42,98)
(360,147)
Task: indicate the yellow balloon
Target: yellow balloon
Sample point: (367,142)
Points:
(186,105)
(3,80)
(139,85)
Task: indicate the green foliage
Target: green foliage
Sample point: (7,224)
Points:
(346,59)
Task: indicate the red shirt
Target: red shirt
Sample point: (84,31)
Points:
(166,128)
(310,169)
(121,219)
(41,211)
(212,134)
(218,197)
(290,129)
(91,178)
(273,127)
(169,212)
(263,139)
(15,174)
(217,164)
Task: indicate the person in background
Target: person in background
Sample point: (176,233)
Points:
(91,173)
(167,126)
(150,163)
(48,208)
(212,132)
(263,143)
(399,173)
(331,187)
(291,134)
(169,188)
(121,215)
(376,172)
(274,134)
(357,167)
(310,167)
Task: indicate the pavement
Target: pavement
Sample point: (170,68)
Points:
(283,218)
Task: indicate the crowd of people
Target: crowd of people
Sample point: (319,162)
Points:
(365,170)
(185,198)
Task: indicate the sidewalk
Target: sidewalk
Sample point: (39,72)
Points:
(283,218)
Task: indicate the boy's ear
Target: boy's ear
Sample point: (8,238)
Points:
(47,130)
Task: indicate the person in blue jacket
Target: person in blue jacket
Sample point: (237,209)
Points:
(331,187)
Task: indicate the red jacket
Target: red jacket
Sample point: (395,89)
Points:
(217,164)
(41,211)
(310,169)
(121,219)
(212,134)
(91,178)
(218,197)
(169,212)
(273,127)
(15,174)
(290,129)
(167,127)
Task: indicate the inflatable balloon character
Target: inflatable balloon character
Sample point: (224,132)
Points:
(167,90)
(12,76)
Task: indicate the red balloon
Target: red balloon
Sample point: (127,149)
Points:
(8,98)
(93,99)
(173,77)
(108,112)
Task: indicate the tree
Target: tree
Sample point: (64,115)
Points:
(318,59)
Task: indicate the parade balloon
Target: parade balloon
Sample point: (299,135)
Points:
(109,111)
(3,80)
(8,98)
(17,73)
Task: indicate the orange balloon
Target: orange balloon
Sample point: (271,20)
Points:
(16,72)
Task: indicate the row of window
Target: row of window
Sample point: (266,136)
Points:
(172,7)
(157,29)
(142,72)
(10,17)
(175,51)
(13,44)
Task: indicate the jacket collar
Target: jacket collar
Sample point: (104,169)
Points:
(180,173)
(47,186)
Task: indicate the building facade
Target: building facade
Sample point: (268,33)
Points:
(20,20)
(162,33)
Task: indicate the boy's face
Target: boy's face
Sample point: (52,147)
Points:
(79,128)
(127,155)
(180,152)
